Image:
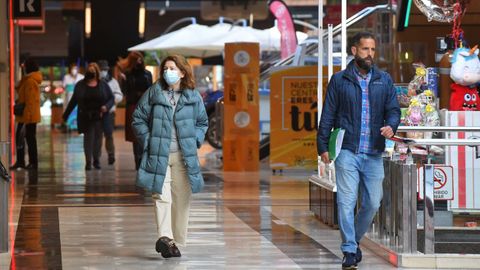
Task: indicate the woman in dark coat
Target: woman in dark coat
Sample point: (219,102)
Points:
(94,98)
(134,82)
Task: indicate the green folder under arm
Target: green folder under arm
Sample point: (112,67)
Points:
(335,143)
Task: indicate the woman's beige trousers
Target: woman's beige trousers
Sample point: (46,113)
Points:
(172,207)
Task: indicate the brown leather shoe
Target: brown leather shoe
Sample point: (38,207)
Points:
(167,247)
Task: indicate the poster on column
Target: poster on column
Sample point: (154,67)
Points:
(294,117)
(241,107)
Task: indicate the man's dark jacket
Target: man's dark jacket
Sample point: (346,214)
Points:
(343,109)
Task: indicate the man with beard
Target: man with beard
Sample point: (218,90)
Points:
(361,100)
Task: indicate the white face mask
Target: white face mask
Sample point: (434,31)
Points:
(74,72)
(171,76)
(103,74)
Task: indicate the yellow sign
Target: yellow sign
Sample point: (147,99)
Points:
(294,117)
(241,111)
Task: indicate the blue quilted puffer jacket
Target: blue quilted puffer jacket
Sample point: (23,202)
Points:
(152,124)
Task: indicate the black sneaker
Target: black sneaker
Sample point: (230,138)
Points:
(167,247)
(111,160)
(88,167)
(17,166)
(349,261)
(358,254)
(31,166)
(96,165)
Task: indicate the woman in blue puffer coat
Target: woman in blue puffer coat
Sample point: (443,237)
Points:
(170,122)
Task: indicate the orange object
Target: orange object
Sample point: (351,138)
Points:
(444,80)
(241,107)
(294,117)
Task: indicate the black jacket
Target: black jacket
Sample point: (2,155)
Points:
(137,82)
(83,116)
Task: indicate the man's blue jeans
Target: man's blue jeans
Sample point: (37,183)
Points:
(354,172)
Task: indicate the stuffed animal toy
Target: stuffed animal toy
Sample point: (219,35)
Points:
(465,73)
(463,98)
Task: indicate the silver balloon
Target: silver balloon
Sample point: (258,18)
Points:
(437,10)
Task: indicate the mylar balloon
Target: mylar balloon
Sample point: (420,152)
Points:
(436,10)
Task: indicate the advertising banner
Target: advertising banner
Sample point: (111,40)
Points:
(288,43)
(241,107)
(294,117)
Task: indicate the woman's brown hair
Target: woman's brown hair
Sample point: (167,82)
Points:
(93,67)
(188,81)
(128,63)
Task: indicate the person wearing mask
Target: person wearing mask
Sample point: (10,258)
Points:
(94,99)
(28,92)
(69,82)
(361,100)
(109,117)
(170,122)
(137,81)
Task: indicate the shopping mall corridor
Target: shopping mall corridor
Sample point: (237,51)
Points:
(63,217)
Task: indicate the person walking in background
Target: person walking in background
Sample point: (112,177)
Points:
(361,100)
(69,81)
(170,123)
(94,99)
(109,117)
(28,91)
(137,81)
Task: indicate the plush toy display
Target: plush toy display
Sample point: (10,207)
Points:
(465,73)
(414,117)
(417,85)
(463,98)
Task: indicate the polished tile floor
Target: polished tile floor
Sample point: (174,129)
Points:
(62,217)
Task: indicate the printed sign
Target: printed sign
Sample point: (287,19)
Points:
(27,9)
(442,182)
(241,111)
(294,117)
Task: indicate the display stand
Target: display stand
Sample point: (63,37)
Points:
(323,200)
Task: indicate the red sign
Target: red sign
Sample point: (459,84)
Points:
(288,43)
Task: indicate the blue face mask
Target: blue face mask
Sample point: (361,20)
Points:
(171,76)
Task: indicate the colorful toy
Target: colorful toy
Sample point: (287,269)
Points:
(417,85)
(463,98)
(465,73)
(414,117)
(430,113)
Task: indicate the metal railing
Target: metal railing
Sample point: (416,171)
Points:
(397,217)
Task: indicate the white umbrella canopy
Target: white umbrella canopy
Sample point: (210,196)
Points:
(204,41)
(227,34)
(175,39)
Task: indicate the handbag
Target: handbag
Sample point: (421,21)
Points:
(18,109)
